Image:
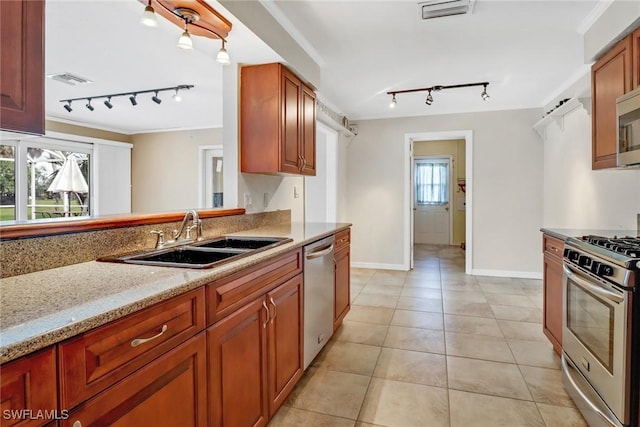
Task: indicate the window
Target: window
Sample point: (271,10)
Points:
(432,182)
(44,180)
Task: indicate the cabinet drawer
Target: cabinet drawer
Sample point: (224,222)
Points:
(97,359)
(342,239)
(553,246)
(29,384)
(230,293)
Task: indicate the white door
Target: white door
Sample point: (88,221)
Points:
(432,182)
(212,159)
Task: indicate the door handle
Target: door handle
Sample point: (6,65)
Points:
(275,309)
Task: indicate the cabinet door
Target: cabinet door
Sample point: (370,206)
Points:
(552,309)
(170,391)
(635,39)
(610,78)
(285,340)
(28,385)
(237,349)
(22,66)
(342,286)
(291,157)
(308,131)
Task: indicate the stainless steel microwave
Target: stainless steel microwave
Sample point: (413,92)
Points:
(628,115)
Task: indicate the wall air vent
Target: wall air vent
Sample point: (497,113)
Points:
(69,79)
(439,8)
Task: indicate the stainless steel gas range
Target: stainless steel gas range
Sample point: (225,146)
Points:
(601,328)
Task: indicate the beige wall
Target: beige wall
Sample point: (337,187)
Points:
(164,169)
(85,131)
(456,149)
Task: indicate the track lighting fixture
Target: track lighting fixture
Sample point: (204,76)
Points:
(437,88)
(223,55)
(184,42)
(131,95)
(189,16)
(148,17)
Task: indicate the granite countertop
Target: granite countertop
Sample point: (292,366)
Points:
(43,308)
(564,233)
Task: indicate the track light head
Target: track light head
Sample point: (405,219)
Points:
(188,16)
(429,99)
(176,96)
(148,17)
(133,100)
(484,93)
(155,98)
(393,102)
(67,106)
(184,42)
(89,106)
(108,103)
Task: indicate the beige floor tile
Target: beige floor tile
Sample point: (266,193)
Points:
(363,313)
(481,376)
(522,330)
(498,280)
(398,404)
(561,416)
(538,301)
(546,385)
(478,347)
(421,292)
(520,314)
(433,305)
(502,288)
(362,424)
(417,319)
(509,299)
(412,367)
(472,325)
(348,357)
(420,283)
(389,278)
(480,410)
(534,353)
(376,300)
(477,309)
(372,288)
(361,333)
(463,296)
(292,417)
(329,392)
(429,275)
(415,339)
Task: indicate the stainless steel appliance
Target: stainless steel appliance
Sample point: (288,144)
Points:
(628,114)
(318,297)
(601,328)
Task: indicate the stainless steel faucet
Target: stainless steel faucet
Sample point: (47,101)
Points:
(196,224)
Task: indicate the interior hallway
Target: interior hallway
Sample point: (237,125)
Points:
(434,347)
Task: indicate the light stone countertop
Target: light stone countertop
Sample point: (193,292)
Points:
(43,308)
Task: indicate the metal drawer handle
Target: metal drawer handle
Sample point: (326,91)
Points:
(275,309)
(264,304)
(139,341)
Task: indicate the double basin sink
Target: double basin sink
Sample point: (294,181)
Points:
(203,254)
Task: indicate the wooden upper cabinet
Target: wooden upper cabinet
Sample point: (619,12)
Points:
(635,40)
(277,121)
(22,66)
(28,386)
(611,77)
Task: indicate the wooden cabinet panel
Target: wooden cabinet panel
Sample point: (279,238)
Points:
(342,284)
(342,239)
(22,66)
(308,131)
(611,77)
(635,40)
(552,291)
(237,370)
(285,340)
(28,385)
(95,360)
(170,391)
(291,153)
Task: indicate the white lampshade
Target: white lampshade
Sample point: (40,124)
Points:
(184,41)
(148,17)
(223,57)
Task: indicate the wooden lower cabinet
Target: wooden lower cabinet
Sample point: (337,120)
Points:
(170,391)
(552,309)
(342,286)
(255,357)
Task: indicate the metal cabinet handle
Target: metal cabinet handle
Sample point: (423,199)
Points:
(275,309)
(77,423)
(320,252)
(264,304)
(594,289)
(300,161)
(139,341)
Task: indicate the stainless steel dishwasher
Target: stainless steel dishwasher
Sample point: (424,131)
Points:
(318,296)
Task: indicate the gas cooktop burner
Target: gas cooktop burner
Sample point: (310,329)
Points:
(629,246)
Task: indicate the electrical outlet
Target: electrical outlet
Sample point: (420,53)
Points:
(248,200)
(295,192)
(265,199)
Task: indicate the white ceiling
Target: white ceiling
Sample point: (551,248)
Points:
(527,50)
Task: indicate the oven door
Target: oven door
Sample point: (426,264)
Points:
(595,339)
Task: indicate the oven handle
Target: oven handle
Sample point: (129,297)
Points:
(569,376)
(589,287)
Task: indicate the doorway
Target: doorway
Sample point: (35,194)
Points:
(432,220)
(211,176)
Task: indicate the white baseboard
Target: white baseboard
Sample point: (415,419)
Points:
(378,266)
(507,273)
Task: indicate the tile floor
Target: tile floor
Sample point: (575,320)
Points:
(434,347)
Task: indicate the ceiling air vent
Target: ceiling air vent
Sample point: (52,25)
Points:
(439,8)
(69,79)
